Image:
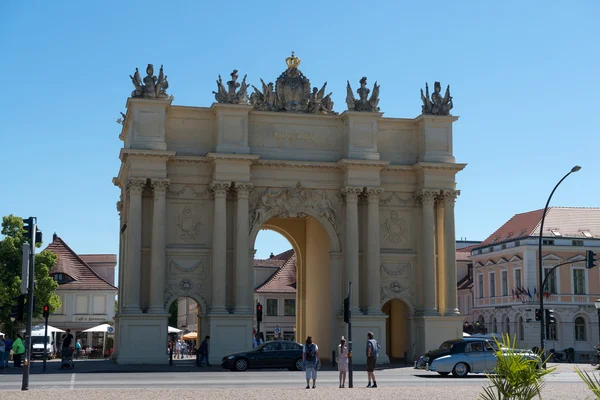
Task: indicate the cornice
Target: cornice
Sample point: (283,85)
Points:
(444,118)
(423,166)
(296,164)
(242,158)
(189,159)
(399,168)
(346,163)
(126,153)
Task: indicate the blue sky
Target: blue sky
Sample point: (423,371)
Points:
(524,77)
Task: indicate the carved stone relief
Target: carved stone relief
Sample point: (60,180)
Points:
(185,285)
(396,289)
(188,223)
(394,229)
(199,265)
(291,203)
(188,191)
(396,199)
(397,270)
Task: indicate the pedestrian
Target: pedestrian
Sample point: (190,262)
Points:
(204,351)
(7,350)
(372,353)
(78,348)
(257,340)
(2,351)
(310,360)
(177,348)
(183,347)
(343,361)
(18,351)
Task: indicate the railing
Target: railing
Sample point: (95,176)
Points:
(567,298)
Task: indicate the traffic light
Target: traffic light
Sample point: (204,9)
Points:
(347,310)
(29,228)
(550,317)
(46,311)
(538,314)
(259,311)
(18,308)
(591,258)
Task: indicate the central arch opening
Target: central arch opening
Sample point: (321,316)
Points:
(300,282)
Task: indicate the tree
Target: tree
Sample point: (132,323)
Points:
(10,271)
(173,311)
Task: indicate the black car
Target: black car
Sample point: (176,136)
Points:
(275,354)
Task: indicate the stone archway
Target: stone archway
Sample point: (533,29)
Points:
(398,327)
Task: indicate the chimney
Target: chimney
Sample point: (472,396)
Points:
(54,236)
(271,256)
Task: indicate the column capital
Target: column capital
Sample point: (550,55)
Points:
(448,197)
(160,186)
(352,193)
(373,194)
(427,196)
(136,185)
(243,189)
(220,188)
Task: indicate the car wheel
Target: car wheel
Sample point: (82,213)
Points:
(444,373)
(299,364)
(241,364)
(460,370)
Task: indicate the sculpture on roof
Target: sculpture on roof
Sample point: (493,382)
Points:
(151,87)
(363,103)
(230,95)
(437,105)
(292,93)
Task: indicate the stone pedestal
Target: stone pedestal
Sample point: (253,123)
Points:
(232,128)
(230,333)
(360,135)
(431,331)
(435,138)
(361,325)
(148,126)
(144,336)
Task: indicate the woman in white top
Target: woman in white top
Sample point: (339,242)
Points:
(342,361)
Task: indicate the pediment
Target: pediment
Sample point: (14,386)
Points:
(578,257)
(478,264)
(489,263)
(551,257)
(502,260)
(516,259)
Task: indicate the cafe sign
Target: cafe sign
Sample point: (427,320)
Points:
(90,318)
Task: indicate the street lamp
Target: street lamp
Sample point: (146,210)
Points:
(597,304)
(540,269)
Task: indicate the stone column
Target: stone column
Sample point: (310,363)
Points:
(219,249)
(373,252)
(135,187)
(243,270)
(441,256)
(159,242)
(450,247)
(351,244)
(121,253)
(427,198)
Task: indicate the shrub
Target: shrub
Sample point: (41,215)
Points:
(590,380)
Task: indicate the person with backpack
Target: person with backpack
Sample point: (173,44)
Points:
(310,358)
(372,353)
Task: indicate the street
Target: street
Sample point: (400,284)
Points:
(396,382)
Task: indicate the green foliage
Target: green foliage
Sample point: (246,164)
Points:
(173,310)
(591,381)
(10,272)
(517,375)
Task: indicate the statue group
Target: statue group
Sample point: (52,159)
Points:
(290,93)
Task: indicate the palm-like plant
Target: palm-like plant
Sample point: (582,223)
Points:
(517,375)
(590,380)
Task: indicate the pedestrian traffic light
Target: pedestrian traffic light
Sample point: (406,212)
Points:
(259,311)
(28,228)
(347,310)
(18,308)
(46,311)
(591,258)
(550,317)
(538,314)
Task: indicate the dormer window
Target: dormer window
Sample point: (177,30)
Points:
(62,278)
(555,232)
(58,277)
(587,234)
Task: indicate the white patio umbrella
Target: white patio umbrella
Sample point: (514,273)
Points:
(51,329)
(174,330)
(104,328)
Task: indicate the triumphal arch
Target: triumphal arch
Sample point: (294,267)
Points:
(362,198)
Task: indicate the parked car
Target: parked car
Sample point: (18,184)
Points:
(274,354)
(463,356)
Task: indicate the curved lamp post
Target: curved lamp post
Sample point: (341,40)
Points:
(540,269)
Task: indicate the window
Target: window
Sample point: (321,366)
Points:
(551,281)
(474,347)
(507,326)
(578,281)
(521,329)
(518,283)
(58,277)
(272,307)
(468,305)
(548,242)
(492,284)
(494,325)
(503,246)
(579,329)
(480,286)
(289,307)
(517,243)
(504,283)
(577,242)
(553,332)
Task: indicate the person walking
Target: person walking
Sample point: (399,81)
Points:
(342,361)
(2,351)
(7,349)
(177,348)
(310,360)
(204,351)
(78,348)
(183,347)
(18,351)
(372,353)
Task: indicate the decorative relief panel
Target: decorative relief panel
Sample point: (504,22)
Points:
(187,222)
(292,203)
(397,270)
(395,230)
(396,199)
(397,290)
(189,192)
(174,266)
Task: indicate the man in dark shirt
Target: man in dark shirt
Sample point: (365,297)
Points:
(204,350)
(67,339)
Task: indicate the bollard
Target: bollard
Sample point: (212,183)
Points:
(198,358)
(333,364)
(171,356)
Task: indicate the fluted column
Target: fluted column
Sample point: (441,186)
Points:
(450,247)
(121,253)
(159,242)
(351,244)
(135,187)
(219,249)
(373,252)
(427,198)
(441,256)
(243,270)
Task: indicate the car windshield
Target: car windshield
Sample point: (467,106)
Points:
(38,340)
(446,346)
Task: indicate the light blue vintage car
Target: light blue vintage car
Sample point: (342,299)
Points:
(463,356)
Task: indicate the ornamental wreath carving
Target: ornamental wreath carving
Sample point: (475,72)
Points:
(394,229)
(188,222)
(291,203)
